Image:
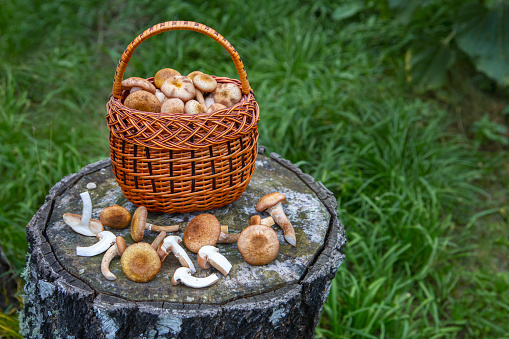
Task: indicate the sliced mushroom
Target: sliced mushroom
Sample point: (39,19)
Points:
(106,239)
(139,225)
(272,204)
(183,275)
(84,224)
(116,249)
(171,243)
(209,255)
(140,262)
(202,230)
(115,216)
(258,244)
(129,83)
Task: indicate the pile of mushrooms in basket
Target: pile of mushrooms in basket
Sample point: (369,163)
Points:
(258,243)
(174,93)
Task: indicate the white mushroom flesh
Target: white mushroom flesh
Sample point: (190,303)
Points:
(106,239)
(213,257)
(183,275)
(171,243)
(83,224)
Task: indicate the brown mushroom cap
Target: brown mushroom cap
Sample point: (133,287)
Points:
(164,74)
(193,74)
(121,245)
(115,217)
(179,87)
(138,223)
(258,244)
(215,107)
(202,230)
(140,262)
(204,82)
(193,107)
(270,200)
(227,94)
(143,101)
(138,82)
(173,106)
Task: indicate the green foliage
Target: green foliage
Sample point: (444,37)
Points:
(486,131)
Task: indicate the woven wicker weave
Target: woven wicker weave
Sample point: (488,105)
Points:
(183,162)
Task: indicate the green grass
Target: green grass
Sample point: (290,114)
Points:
(425,206)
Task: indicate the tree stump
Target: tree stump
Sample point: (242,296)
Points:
(67,296)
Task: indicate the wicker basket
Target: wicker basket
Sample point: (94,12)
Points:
(183,162)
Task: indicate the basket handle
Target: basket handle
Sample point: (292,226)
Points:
(176,26)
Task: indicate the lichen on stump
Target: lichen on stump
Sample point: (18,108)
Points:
(67,295)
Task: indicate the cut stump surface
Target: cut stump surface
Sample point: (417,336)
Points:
(288,293)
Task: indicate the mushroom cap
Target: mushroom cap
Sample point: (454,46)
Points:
(202,230)
(193,107)
(140,262)
(258,244)
(129,83)
(215,107)
(227,94)
(173,106)
(270,200)
(193,74)
(74,220)
(164,74)
(138,223)
(115,217)
(121,245)
(143,101)
(160,95)
(204,82)
(179,87)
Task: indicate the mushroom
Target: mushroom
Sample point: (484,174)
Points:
(215,107)
(129,83)
(199,98)
(173,105)
(193,107)
(115,216)
(258,244)
(225,238)
(202,230)
(84,224)
(143,101)
(158,241)
(209,100)
(160,95)
(193,74)
(227,94)
(272,204)
(106,239)
(140,262)
(179,87)
(209,255)
(139,225)
(171,243)
(164,74)
(116,249)
(183,275)
(203,83)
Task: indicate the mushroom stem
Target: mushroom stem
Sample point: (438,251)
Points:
(209,255)
(183,275)
(111,253)
(172,243)
(106,239)
(84,224)
(280,218)
(225,238)
(156,228)
(86,215)
(158,240)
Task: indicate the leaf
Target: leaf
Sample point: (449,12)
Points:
(484,36)
(427,68)
(404,9)
(347,11)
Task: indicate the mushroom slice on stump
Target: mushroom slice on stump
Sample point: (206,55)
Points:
(84,224)
(258,244)
(106,239)
(139,225)
(272,204)
(171,243)
(210,256)
(140,262)
(115,216)
(202,230)
(183,275)
(116,249)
